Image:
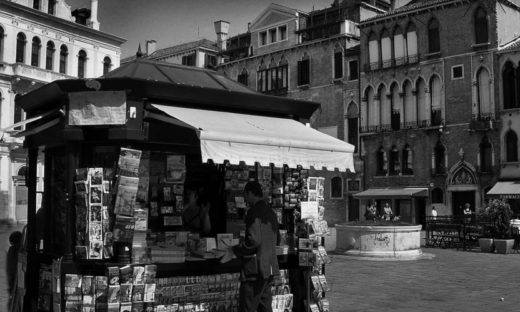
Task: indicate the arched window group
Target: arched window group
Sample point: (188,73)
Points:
(511,85)
(403,107)
(398,46)
(272,78)
(392,47)
(395,162)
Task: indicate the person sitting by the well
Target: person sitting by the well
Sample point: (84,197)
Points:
(387,212)
(371,212)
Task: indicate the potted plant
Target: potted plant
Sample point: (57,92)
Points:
(501,213)
(487,230)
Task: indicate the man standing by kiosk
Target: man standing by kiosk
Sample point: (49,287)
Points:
(257,252)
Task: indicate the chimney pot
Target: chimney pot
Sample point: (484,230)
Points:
(151,46)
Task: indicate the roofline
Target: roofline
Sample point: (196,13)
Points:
(390,14)
(54,94)
(275,5)
(75,26)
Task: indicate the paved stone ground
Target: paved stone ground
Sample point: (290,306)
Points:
(460,281)
(453,280)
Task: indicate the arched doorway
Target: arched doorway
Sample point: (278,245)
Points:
(462,187)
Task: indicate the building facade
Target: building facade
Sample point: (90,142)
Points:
(41,41)
(508,186)
(429,118)
(311,56)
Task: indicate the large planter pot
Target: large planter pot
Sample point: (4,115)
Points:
(504,246)
(402,242)
(486,244)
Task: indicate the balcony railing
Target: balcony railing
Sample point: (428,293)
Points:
(410,59)
(374,66)
(482,122)
(395,126)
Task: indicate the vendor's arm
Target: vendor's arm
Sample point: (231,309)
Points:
(252,240)
(205,222)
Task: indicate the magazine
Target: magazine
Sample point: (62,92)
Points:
(113,275)
(125,293)
(150,271)
(126,275)
(124,229)
(149,292)
(113,293)
(175,168)
(138,274)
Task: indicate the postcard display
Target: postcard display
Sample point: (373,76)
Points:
(129,218)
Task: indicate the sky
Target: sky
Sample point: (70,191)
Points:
(172,22)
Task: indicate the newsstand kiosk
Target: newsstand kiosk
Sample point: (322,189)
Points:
(120,153)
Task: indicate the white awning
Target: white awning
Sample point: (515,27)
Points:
(251,138)
(506,189)
(396,192)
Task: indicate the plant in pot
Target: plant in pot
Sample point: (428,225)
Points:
(487,230)
(500,212)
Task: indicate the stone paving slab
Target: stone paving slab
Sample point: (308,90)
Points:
(453,280)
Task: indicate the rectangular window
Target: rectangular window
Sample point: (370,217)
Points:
(338,65)
(457,72)
(353,70)
(189,60)
(336,187)
(272,35)
(282,30)
(303,72)
(263,38)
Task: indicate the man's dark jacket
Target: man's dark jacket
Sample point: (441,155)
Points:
(261,239)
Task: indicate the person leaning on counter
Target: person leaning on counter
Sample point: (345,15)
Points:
(196,210)
(257,252)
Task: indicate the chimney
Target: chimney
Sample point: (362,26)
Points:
(94,23)
(221,28)
(151,46)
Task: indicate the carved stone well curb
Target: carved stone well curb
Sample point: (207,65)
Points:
(401,242)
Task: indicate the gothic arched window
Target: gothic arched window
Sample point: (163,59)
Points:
(486,155)
(82,62)
(382,162)
(407,162)
(35,52)
(20,47)
(481,26)
(439,155)
(433,36)
(49,56)
(511,146)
